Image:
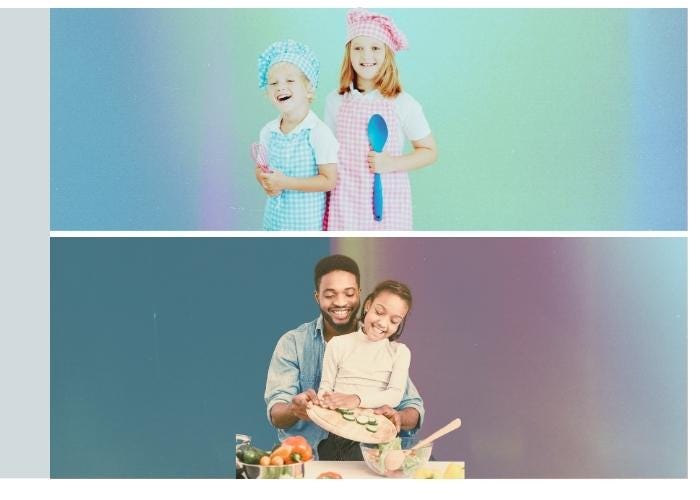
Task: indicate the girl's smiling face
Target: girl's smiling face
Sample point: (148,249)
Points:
(287,87)
(367,55)
(384,316)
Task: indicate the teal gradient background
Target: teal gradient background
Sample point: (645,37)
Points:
(156,349)
(564,357)
(571,119)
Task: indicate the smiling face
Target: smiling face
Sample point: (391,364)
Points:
(367,56)
(288,88)
(338,297)
(383,316)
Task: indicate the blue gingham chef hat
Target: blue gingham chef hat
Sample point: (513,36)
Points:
(292,52)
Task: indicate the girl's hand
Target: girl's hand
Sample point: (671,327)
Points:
(273,183)
(380,163)
(334,400)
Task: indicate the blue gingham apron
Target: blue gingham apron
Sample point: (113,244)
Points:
(293,155)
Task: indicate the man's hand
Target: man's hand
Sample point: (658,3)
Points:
(300,402)
(406,419)
(391,414)
(285,415)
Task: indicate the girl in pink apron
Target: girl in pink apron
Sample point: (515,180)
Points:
(369,85)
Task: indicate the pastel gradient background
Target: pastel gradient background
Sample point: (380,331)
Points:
(572,119)
(564,357)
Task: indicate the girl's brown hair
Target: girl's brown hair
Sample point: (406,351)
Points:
(393,287)
(387,79)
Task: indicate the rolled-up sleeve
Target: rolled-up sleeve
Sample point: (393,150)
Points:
(411,399)
(283,375)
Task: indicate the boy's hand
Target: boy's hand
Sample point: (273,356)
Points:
(273,182)
(380,163)
(262,180)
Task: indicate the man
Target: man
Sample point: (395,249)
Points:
(295,369)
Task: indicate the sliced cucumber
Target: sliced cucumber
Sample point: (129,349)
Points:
(371,421)
(371,427)
(349,416)
(362,419)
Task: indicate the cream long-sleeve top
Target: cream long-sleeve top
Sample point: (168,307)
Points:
(376,371)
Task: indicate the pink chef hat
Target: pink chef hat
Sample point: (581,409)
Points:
(364,23)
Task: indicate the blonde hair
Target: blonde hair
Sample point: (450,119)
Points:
(387,80)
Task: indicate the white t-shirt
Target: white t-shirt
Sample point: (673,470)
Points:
(410,112)
(322,139)
(376,371)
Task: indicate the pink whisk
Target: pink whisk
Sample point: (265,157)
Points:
(259,155)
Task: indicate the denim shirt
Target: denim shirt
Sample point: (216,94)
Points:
(296,365)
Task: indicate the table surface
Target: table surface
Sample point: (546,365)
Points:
(357,470)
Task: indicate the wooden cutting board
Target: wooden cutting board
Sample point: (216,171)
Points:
(333,421)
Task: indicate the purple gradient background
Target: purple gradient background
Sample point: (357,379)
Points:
(563,357)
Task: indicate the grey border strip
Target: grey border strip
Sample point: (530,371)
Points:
(24,254)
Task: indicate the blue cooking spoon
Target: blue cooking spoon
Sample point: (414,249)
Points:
(377,132)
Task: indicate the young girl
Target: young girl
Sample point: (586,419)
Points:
(369,84)
(369,368)
(301,149)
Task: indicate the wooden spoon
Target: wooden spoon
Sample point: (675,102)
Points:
(394,458)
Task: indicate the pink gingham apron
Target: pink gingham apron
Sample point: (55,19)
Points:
(350,203)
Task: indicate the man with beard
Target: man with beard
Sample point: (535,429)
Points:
(295,369)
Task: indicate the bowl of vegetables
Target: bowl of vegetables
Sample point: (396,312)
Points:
(396,458)
(285,461)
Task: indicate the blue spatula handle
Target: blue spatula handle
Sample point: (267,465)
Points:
(378,201)
(378,133)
